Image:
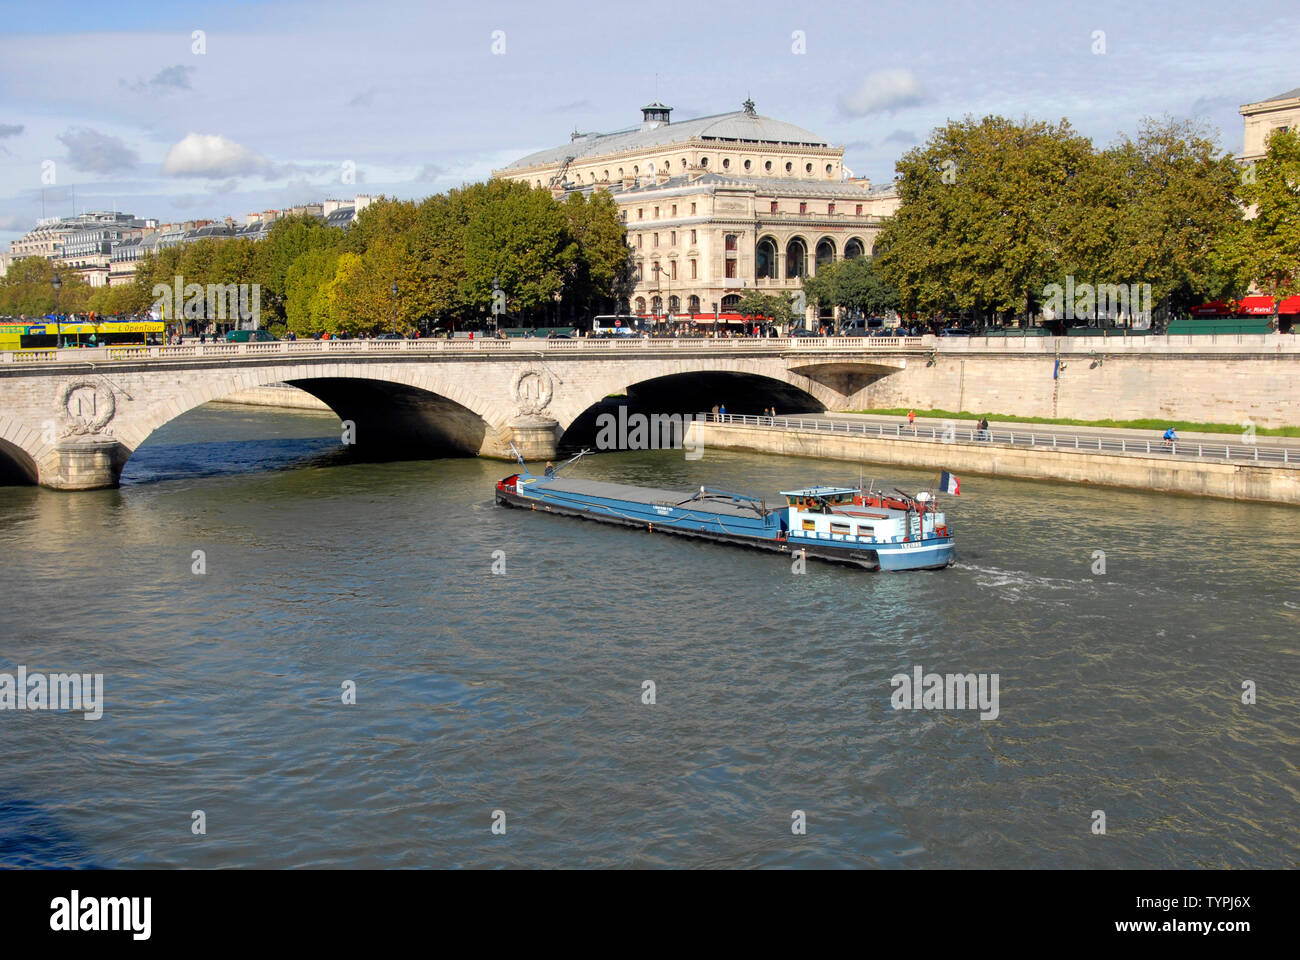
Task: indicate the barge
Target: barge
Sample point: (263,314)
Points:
(841,524)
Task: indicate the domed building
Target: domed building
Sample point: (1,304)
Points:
(718,205)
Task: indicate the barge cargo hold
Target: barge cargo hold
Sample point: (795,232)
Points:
(840,524)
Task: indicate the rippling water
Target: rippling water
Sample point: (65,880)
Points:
(522,692)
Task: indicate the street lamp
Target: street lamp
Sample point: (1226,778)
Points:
(58,325)
(715,319)
(393,291)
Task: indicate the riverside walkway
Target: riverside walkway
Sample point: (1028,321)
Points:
(1026,436)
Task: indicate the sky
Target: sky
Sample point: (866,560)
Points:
(181,111)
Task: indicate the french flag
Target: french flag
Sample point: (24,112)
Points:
(949,484)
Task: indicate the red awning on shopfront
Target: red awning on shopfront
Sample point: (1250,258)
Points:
(1216,308)
(1255,307)
(1263,306)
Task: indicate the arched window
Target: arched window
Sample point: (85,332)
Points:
(730,302)
(789,167)
(748,164)
(693,304)
(807,168)
(640,305)
(767,165)
(674,304)
(657,306)
(796,258)
(726,163)
(829,170)
(853,248)
(704,161)
(765,259)
(825,252)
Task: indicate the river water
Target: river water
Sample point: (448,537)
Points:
(522,692)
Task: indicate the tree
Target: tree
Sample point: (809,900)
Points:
(777,308)
(979,200)
(603,265)
(288,238)
(855,284)
(1265,248)
(27,289)
(1171,199)
(307,305)
(516,236)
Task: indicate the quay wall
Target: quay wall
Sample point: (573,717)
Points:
(276,395)
(1229,481)
(1244,386)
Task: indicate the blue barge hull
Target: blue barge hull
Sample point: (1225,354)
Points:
(713,515)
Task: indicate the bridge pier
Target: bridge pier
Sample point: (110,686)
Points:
(534,436)
(86,463)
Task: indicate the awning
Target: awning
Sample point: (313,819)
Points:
(1216,308)
(1255,306)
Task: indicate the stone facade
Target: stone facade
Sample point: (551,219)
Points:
(1263,118)
(715,206)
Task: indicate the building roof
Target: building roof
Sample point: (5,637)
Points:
(740,126)
(1289,95)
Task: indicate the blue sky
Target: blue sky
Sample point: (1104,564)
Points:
(286,99)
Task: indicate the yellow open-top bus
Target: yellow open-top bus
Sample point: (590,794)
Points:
(48,334)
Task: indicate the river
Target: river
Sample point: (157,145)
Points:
(522,692)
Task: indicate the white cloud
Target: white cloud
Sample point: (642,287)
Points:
(212,155)
(882,91)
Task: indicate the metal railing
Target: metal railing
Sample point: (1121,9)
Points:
(1082,443)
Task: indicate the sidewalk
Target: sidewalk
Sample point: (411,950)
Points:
(1063,430)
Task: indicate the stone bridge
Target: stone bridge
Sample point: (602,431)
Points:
(71,418)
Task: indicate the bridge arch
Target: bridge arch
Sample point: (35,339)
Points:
(393,405)
(21,453)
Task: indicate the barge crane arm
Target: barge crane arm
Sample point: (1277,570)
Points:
(754,503)
(574,459)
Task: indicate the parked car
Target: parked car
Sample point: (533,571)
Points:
(250,336)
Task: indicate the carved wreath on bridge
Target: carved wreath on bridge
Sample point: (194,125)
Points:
(533,390)
(88,406)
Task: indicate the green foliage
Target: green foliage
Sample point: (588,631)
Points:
(774,306)
(1266,247)
(27,289)
(994,211)
(307,304)
(855,284)
(443,253)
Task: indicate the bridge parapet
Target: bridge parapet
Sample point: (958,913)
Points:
(431,347)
